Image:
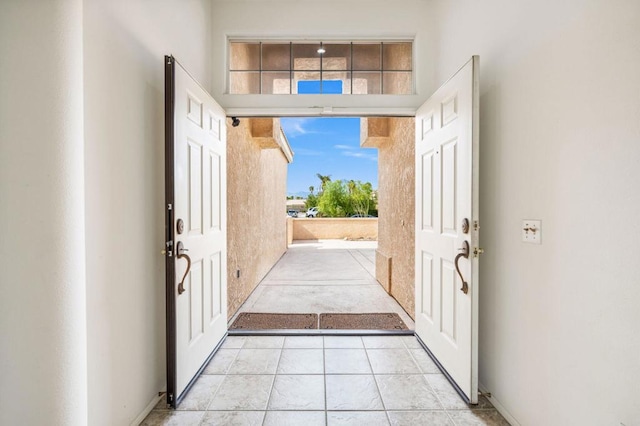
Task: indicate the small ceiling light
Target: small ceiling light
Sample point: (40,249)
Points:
(321,50)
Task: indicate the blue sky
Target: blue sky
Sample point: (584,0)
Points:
(329,146)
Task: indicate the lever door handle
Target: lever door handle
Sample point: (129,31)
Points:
(181,255)
(465,254)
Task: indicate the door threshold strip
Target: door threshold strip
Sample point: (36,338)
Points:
(444,371)
(320,332)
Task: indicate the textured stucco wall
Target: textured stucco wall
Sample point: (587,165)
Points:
(396,200)
(335,228)
(256,219)
(289,230)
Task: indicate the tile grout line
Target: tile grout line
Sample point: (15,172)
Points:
(324,372)
(428,384)
(384,407)
(223,380)
(204,413)
(273,384)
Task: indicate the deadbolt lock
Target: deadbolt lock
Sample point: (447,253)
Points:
(477,251)
(465,226)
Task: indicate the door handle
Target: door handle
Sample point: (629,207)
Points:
(465,254)
(181,255)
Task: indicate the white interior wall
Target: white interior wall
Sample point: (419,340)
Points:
(560,142)
(124,46)
(43,346)
(313,20)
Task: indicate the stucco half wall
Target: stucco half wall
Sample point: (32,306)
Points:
(328,228)
(395,140)
(257,158)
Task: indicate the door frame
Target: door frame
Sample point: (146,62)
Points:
(169,203)
(170,271)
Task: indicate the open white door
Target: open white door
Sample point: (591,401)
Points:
(447,149)
(196,253)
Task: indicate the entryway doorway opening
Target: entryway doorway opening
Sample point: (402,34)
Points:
(337,272)
(446,211)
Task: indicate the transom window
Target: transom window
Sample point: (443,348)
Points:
(358,68)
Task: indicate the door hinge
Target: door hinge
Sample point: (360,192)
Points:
(477,251)
(170,398)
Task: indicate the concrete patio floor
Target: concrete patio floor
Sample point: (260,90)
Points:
(326,276)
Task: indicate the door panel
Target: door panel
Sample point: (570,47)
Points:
(194,188)
(217,302)
(196,254)
(194,290)
(446,194)
(427,290)
(448,178)
(427,194)
(214,190)
(448,298)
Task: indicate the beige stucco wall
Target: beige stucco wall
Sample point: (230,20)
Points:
(256,219)
(289,230)
(396,201)
(328,228)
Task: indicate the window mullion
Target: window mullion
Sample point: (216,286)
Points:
(321,76)
(260,70)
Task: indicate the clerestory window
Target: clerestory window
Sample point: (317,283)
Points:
(358,68)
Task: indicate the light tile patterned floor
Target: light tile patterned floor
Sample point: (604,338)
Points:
(330,380)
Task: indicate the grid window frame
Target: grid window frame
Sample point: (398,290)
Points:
(297,66)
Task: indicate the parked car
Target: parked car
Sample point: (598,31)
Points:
(292,213)
(312,212)
(362,215)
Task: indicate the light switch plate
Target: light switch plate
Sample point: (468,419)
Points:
(532,231)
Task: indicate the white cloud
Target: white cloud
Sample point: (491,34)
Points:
(359,154)
(295,126)
(344,147)
(355,152)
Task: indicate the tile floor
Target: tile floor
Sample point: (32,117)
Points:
(329,276)
(316,380)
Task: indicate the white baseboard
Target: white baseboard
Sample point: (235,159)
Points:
(147,410)
(498,406)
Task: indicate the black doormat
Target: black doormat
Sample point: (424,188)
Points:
(261,321)
(378,321)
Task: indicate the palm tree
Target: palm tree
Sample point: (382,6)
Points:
(311,188)
(352,186)
(324,179)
